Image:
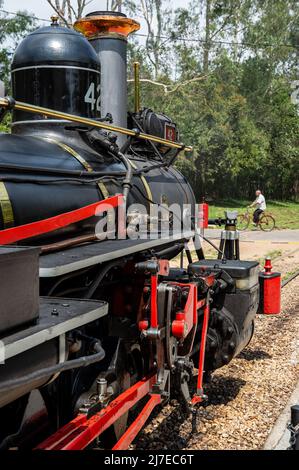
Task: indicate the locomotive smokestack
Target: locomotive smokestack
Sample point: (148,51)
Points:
(108,33)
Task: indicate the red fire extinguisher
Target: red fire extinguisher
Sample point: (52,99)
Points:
(270,290)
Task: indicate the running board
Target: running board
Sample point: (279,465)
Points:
(85,256)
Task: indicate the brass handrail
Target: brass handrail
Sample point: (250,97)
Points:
(20,106)
(137,86)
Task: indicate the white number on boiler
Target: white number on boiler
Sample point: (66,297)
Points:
(93,97)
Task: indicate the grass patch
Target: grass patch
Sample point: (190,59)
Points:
(286,213)
(273,255)
(289,274)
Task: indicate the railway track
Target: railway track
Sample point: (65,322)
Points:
(290,278)
(245,397)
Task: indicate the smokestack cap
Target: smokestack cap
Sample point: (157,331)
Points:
(106,23)
(106,13)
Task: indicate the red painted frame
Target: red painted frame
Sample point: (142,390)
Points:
(186,319)
(154,305)
(163,271)
(81,431)
(199,389)
(34,229)
(128,437)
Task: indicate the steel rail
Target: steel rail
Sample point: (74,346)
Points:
(289,279)
(9,103)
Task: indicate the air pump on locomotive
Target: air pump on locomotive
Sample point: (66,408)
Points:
(93,328)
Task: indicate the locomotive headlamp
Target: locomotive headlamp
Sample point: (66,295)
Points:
(98,24)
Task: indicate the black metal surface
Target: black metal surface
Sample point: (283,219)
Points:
(235,268)
(233,308)
(61,89)
(43,355)
(56,316)
(19,287)
(155,123)
(36,347)
(106,13)
(54,67)
(231,326)
(33,197)
(55,264)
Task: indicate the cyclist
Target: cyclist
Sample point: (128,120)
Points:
(260,204)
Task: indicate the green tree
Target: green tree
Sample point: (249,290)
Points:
(156,15)
(241,120)
(225,70)
(12,30)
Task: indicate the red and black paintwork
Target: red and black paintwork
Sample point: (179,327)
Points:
(270,290)
(160,322)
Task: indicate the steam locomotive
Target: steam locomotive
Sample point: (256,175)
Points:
(95,332)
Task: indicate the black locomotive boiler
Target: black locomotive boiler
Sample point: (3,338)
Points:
(90,327)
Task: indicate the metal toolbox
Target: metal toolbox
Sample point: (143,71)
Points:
(19,287)
(244,273)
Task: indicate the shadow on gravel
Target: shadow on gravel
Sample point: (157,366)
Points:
(167,434)
(173,431)
(253,355)
(222,390)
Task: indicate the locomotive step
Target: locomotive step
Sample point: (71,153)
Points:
(56,317)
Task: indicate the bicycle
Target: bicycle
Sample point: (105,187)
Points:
(266,221)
